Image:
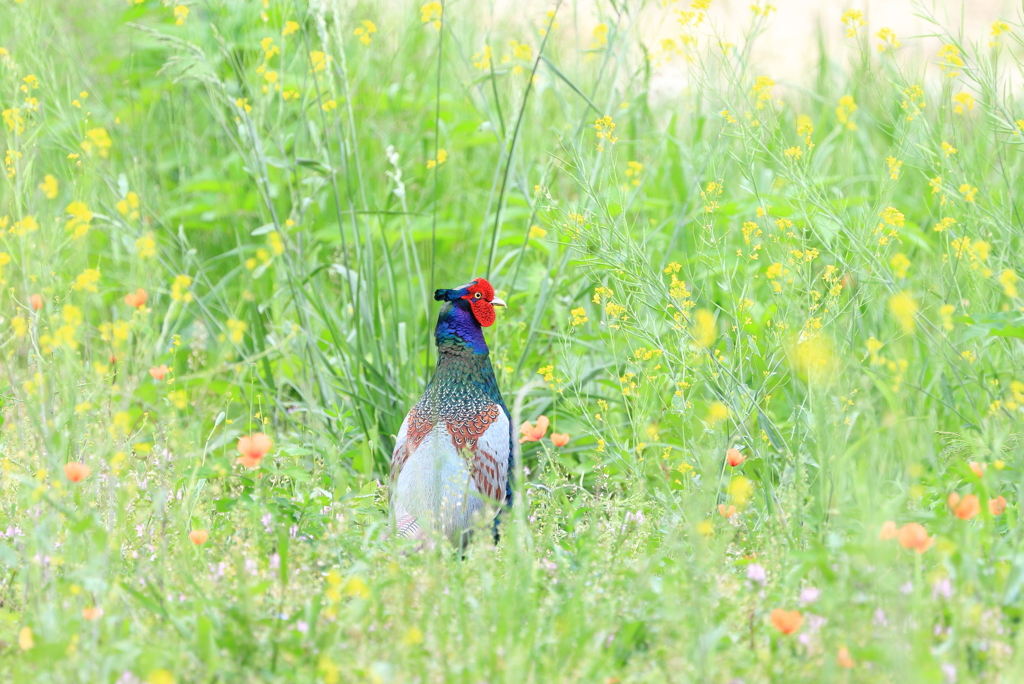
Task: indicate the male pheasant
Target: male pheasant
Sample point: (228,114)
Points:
(453,455)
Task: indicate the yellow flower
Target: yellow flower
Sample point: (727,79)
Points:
(26,225)
(904,308)
(129,206)
(1008,279)
(71,315)
(25,640)
(80,219)
(98,139)
(740,489)
(950,60)
(968,191)
(236,330)
(146,246)
(853,19)
(442,157)
(482,59)
(964,102)
(430,13)
(900,264)
(948,149)
(705,328)
(318,60)
(845,110)
(633,170)
(179,398)
(793,152)
(14,119)
(812,356)
(179,289)
(892,216)
(290,27)
(275,242)
(329,106)
(87,280)
(762,88)
(579,316)
(894,167)
(20,326)
(180,14)
(356,585)
(717,412)
(600,34)
(605,128)
(946,314)
(888,38)
(364,32)
(49,186)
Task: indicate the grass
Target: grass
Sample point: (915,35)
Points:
(822,276)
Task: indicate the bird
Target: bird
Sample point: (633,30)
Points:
(453,459)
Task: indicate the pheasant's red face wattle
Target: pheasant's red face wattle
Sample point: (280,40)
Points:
(480,296)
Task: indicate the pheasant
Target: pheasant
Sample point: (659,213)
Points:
(453,455)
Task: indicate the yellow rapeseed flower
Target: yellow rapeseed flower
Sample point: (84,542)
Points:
(49,186)
(81,217)
(964,102)
(365,31)
(430,13)
(179,288)
(705,328)
(904,307)
(180,14)
(1008,279)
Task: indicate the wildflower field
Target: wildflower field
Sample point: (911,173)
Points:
(764,345)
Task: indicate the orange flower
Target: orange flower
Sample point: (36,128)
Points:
(76,472)
(965,508)
(531,433)
(92,613)
(978,468)
(843,658)
(914,536)
(158,372)
(253,448)
(36,301)
(997,505)
(733,457)
(136,299)
(786,621)
(888,530)
(198,537)
(559,439)
(726,512)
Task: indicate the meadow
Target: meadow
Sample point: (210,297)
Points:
(779,323)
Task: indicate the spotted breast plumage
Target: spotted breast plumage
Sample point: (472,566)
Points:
(452,462)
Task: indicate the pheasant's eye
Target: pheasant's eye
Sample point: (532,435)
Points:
(477,295)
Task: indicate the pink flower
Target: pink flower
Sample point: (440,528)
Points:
(253,448)
(76,472)
(534,433)
(559,439)
(136,299)
(889,530)
(158,372)
(198,537)
(733,457)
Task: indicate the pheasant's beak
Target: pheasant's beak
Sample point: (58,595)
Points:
(498,301)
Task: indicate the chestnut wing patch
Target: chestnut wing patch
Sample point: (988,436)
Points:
(489,452)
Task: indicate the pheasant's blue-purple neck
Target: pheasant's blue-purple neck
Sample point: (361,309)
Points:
(457,327)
